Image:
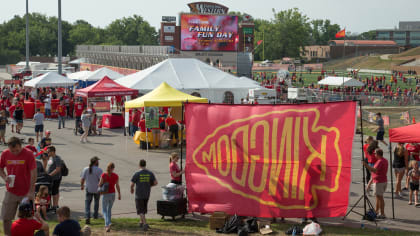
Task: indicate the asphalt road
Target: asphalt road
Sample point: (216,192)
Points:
(114,146)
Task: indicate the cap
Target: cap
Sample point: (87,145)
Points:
(48,132)
(94,159)
(25,206)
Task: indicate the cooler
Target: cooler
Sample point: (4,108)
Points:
(172,208)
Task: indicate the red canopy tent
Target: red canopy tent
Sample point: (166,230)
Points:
(104,88)
(406,134)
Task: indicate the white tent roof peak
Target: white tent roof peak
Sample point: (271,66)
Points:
(185,73)
(101,73)
(340,81)
(80,75)
(50,79)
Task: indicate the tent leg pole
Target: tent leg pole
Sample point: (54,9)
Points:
(182,134)
(147,142)
(392,179)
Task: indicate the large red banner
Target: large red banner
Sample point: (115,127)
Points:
(270,160)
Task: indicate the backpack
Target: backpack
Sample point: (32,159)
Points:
(64,169)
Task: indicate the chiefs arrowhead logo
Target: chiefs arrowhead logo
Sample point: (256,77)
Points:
(279,158)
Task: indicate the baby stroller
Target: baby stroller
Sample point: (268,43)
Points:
(43,179)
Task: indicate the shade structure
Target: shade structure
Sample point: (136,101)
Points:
(105,87)
(340,81)
(406,134)
(163,96)
(80,75)
(190,76)
(50,79)
(102,72)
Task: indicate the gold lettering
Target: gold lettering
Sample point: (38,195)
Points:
(287,137)
(296,157)
(208,157)
(254,158)
(245,159)
(275,161)
(224,139)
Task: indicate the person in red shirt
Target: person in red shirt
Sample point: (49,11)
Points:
(78,110)
(12,109)
(142,124)
(176,172)
(136,119)
(108,198)
(173,128)
(31,146)
(20,179)
(413,150)
(379,176)
(61,110)
(27,224)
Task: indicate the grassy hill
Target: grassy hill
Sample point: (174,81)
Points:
(363,62)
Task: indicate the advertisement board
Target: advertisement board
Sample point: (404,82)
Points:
(169,29)
(209,33)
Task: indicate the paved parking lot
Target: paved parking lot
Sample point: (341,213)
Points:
(114,146)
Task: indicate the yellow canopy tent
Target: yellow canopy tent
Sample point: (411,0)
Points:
(163,96)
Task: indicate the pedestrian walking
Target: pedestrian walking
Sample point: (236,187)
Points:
(111,179)
(86,126)
(144,180)
(62,114)
(39,124)
(89,181)
(54,166)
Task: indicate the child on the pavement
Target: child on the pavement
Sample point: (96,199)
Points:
(100,125)
(414,177)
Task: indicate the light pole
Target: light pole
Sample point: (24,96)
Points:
(27,36)
(60,49)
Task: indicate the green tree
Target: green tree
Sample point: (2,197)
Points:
(131,31)
(288,34)
(84,33)
(369,35)
(323,31)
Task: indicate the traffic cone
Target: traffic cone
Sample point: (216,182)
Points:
(414,120)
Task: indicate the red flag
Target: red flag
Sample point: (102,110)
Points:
(259,42)
(340,34)
(270,161)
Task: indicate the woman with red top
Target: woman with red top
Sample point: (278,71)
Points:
(371,159)
(176,173)
(367,156)
(111,179)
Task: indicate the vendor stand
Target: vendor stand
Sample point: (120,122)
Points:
(163,96)
(48,80)
(106,87)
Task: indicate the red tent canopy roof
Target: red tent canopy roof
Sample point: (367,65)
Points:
(406,134)
(105,87)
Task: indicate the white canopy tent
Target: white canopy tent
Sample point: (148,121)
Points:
(191,76)
(50,79)
(80,75)
(101,73)
(340,81)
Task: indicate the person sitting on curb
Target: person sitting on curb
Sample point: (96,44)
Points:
(67,226)
(27,224)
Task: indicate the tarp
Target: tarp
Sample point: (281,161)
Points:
(340,81)
(102,72)
(287,161)
(406,134)
(163,96)
(50,79)
(105,87)
(190,75)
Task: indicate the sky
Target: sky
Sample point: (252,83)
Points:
(356,16)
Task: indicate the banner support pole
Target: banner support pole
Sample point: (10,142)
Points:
(182,134)
(363,156)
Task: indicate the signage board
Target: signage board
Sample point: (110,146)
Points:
(209,33)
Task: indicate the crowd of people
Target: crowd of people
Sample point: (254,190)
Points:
(32,198)
(406,160)
(388,88)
